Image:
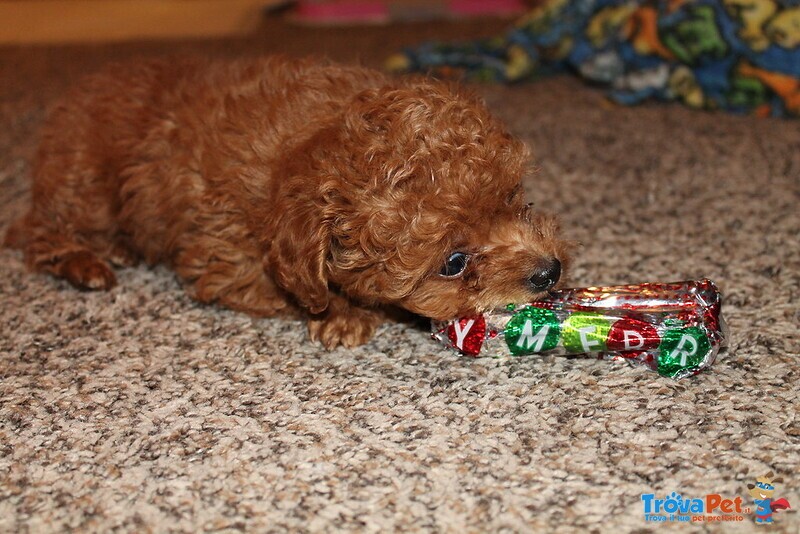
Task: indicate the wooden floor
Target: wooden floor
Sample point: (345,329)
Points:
(76,21)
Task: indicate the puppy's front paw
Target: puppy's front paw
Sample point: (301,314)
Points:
(344,325)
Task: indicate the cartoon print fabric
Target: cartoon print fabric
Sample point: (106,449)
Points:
(738,55)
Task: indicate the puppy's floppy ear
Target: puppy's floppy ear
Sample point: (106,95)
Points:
(300,242)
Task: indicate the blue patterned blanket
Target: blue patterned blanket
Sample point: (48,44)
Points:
(739,55)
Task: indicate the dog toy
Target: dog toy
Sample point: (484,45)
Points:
(675,329)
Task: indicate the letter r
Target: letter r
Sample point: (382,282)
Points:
(683,352)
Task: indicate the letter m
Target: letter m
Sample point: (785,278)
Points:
(528,339)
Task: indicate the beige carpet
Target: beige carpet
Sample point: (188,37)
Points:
(139,410)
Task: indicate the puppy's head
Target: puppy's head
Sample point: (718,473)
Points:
(416,201)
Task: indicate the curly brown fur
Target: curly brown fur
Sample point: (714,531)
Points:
(277,186)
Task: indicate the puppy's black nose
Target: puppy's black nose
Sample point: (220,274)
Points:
(546,277)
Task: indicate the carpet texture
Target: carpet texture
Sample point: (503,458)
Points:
(140,410)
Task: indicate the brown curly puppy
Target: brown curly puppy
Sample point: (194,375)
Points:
(274,186)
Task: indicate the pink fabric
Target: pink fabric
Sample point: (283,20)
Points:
(354,10)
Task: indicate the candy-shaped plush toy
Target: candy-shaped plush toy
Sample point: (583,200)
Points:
(675,329)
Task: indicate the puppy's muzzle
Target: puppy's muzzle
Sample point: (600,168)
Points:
(546,277)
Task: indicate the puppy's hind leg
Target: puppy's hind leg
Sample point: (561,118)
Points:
(53,251)
(71,226)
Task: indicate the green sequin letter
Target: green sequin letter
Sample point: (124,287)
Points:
(532,330)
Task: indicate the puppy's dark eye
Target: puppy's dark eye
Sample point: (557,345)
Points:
(454,265)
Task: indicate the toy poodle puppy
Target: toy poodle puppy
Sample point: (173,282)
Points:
(277,186)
